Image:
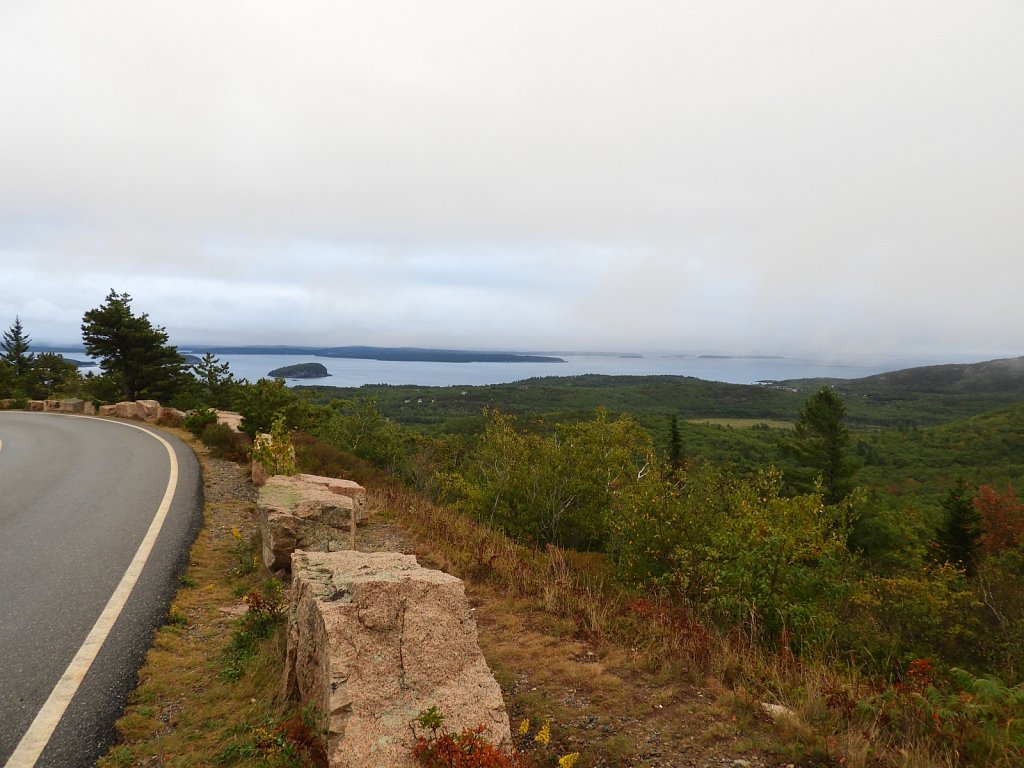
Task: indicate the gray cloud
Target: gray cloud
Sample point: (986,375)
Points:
(786,177)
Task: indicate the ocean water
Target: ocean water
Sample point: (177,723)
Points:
(734,370)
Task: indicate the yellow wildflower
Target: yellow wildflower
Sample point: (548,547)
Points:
(524,727)
(543,736)
(568,761)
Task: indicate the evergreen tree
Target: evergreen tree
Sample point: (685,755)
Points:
(217,385)
(960,531)
(133,353)
(259,403)
(8,384)
(820,444)
(15,346)
(52,375)
(675,445)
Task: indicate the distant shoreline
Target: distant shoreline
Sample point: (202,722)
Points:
(393,354)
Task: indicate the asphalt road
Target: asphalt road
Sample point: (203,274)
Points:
(78,501)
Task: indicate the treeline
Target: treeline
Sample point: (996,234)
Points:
(25,375)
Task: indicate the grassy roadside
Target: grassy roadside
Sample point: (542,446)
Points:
(186,710)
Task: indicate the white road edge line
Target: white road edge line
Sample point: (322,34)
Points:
(38,734)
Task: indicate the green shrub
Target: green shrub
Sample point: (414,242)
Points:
(259,403)
(199,419)
(358,426)
(554,489)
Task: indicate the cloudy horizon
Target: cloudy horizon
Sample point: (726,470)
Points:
(837,180)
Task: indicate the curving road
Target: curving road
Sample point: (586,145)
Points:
(96,519)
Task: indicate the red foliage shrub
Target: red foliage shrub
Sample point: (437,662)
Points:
(468,749)
(1002,518)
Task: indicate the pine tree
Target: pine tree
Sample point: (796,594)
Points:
(15,346)
(217,385)
(53,375)
(133,352)
(675,445)
(960,531)
(821,441)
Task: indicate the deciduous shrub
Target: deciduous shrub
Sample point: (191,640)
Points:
(357,426)
(736,551)
(275,451)
(553,489)
(316,457)
(931,613)
(1001,518)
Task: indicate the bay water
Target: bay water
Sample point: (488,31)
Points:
(735,370)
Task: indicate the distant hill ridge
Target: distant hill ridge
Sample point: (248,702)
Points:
(989,377)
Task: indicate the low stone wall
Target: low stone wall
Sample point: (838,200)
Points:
(307,512)
(68,405)
(140,410)
(373,640)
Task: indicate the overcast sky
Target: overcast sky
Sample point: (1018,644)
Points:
(751,176)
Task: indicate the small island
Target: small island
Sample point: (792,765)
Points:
(300,371)
(79,363)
